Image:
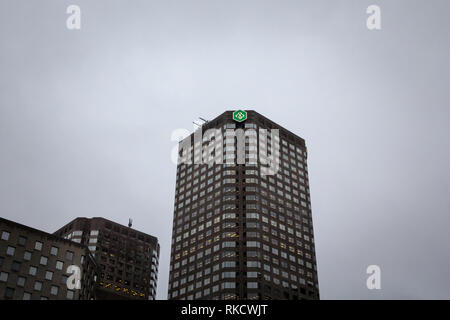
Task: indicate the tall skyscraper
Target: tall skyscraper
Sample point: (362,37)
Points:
(128,259)
(242,226)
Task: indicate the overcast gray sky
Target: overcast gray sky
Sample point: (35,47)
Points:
(86,118)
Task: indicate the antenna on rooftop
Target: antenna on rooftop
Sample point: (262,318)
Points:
(130,222)
(204,120)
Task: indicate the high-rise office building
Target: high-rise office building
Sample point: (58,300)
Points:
(36,265)
(242,225)
(128,259)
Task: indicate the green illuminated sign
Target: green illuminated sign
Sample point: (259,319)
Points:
(239,115)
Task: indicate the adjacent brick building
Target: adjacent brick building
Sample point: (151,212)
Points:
(34,263)
(115,262)
(128,259)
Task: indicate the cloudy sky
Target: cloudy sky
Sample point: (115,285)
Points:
(86,118)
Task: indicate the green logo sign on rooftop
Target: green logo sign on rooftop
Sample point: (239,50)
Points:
(239,115)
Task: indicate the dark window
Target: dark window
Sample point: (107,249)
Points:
(21,281)
(5,235)
(32,271)
(43,261)
(54,290)
(69,294)
(59,265)
(9,293)
(48,275)
(27,255)
(54,251)
(38,286)
(38,245)
(15,266)
(22,241)
(3,276)
(69,255)
(10,251)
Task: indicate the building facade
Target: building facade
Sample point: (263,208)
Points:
(35,265)
(128,259)
(242,225)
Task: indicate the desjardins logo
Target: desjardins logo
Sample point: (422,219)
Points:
(239,115)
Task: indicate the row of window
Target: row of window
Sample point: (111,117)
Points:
(289,262)
(229,134)
(291,174)
(38,245)
(274,189)
(268,226)
(9,292)
(282,190)
(10,251)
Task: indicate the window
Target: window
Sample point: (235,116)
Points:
(228,264)
(48,275)
(69,255)
(5,235)
(3,276)
(44,261)
(59,265)
(54,290)
(230,274)
(26,296)
(10,251)
(32,271)
(22,240)
(228,285)
(38,286)
(228,244)
(9,293)
(27,255)
(69,294)
(54,251)
(64,280)
(253,244)
(15,266)
(38,246)
(21,281)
